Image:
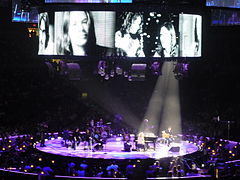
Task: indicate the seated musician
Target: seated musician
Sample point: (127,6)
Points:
(88,139)
(141,142)
(98,141)
(126,136)
(126,139)
(168,136)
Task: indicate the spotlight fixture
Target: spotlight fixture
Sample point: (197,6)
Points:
(180,70)
(102,65)
(119,70)
(156,68)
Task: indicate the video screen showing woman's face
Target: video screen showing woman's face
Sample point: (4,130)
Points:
(128,34)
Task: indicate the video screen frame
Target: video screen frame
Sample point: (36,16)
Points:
(149,53)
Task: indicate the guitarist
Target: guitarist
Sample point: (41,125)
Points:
(168,135)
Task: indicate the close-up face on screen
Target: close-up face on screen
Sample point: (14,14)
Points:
(84,33)
(120,34)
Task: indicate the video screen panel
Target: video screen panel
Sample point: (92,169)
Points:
(23,12)
(120,34)
(190,27)
(46,34)
(88,1)
(220,17)
(224,3)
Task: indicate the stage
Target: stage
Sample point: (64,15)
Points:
(113,149)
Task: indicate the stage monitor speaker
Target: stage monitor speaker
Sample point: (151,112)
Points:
(175,149)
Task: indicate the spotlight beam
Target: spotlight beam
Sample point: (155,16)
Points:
(164,107)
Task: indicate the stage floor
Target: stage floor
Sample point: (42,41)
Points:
(113,149)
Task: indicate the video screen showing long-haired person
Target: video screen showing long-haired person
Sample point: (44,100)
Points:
(129,35)
(45,35)
(77,34)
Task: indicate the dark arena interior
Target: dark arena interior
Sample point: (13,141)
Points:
(119,89)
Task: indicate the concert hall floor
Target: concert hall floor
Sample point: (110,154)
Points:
(113,149)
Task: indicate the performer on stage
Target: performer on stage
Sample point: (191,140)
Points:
(88,140)
(75,138)
(42,128)
(141,142)
(169,131)
(126,139)
(168,135)
(98,141)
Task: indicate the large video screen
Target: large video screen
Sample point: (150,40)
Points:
(220,17)
(120,34)
(224,3)
(23,12)
(88,1)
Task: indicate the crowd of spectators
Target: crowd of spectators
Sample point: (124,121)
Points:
(18,153)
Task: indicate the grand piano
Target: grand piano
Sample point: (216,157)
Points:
(150,139)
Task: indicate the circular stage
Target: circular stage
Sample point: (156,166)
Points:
(113,149)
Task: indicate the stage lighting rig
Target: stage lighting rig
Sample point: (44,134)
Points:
(180,70)
(156,68)
(102,67)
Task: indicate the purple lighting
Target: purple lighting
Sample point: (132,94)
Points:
(181,70)
(185,67)
(155,68)
(102,65)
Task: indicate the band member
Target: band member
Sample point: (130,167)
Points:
(75,138)
(126,136)
(92,124)
(98,141)
(169,131)
(126,140)
(42,128)
(141,142)
(100,123)
(168,135)
(88,140)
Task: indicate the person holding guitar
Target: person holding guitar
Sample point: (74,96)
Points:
(168,135)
